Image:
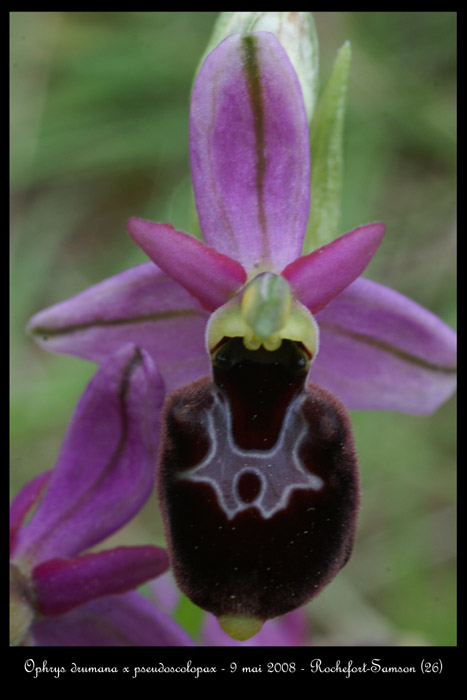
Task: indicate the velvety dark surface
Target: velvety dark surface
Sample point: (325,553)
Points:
(250,564)
(260,385)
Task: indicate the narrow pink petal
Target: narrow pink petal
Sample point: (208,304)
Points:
(22,503)
(105,471)
(381,350)
(249,152)
(320,276)
(209,276)
(114,621)
(63,584)
(141,305)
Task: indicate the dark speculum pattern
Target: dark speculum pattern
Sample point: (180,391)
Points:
(258,483)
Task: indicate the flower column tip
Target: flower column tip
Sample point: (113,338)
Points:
(265,307)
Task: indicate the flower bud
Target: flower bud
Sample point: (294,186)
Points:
(297,34)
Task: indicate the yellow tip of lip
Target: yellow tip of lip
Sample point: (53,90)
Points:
(240,627)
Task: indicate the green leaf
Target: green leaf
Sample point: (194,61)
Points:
(326,143)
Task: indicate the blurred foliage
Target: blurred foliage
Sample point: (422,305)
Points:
(99,132)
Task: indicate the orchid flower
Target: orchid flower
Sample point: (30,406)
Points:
(104,475)
(258,478)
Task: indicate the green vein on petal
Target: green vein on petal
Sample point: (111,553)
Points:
(97,323)
(387,347)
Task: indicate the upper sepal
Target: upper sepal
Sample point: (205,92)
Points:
(249,152)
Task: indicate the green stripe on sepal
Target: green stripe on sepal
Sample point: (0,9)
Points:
(326,143)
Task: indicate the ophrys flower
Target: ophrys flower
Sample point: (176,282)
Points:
(250,167)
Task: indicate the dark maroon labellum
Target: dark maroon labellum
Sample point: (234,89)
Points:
(258,483)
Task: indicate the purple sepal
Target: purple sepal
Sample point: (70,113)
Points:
(381,350)
(249,152)
(105,471)
(119,620)
(63,584)
(141,305)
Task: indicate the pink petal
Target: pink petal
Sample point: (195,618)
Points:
(249,152)
(63,584)
(320,276)
(105,471)
(209,276)
(381,350)
(141,305)
(114,621)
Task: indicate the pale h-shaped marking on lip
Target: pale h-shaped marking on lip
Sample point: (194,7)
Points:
(279,469)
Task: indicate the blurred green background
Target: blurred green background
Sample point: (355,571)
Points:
(99,132)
